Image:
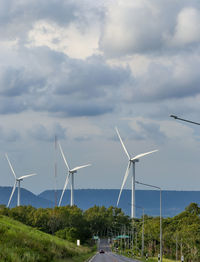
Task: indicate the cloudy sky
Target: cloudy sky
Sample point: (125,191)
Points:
(78,68)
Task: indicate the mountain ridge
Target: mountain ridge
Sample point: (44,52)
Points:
(173,201)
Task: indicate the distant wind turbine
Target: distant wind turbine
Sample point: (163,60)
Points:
(71,173)
(17,181)
(132,161)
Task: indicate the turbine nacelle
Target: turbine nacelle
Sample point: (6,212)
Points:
(134,160)
(72,172)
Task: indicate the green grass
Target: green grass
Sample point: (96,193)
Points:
(155,259)
(21,243)
(150,259)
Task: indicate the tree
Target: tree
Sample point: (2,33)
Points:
(193,209)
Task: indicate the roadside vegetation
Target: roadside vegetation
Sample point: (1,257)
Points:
(52,233)
(181,237)
(20,243)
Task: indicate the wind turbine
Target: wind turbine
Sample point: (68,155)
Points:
(17,181)
(131,161)
(71,173)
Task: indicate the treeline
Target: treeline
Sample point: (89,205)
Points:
(181,234)
(68,222)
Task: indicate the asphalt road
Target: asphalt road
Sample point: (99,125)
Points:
(108,256)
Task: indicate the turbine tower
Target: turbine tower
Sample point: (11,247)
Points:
(17,182)
(71,173)
(131,161)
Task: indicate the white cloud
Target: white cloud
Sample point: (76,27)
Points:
(187,29)
(69,40)
(134,27)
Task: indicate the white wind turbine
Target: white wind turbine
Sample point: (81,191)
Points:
(71,173)
(132,161)
(17,181)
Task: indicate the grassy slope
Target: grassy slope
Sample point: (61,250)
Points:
(19,243)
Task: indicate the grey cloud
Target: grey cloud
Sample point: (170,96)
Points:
(25,13)
(150,27)
(82,138)
(50,81)
(18,17)
(9,135)
(71,106)
(152,131)
(176,80)
(12,105)
(18,81)
(91,77)
(89,110)
(42,133)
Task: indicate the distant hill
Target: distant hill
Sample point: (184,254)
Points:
(173,202)
(27,198)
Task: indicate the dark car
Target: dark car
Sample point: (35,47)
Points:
(101,251)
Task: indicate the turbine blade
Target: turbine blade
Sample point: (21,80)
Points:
(124,181)
(122,143)
(12,193)
(10,166)
(66,182)
(63,156)
(22,177)
(144,154)
(79,167)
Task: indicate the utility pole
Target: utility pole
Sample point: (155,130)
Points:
(121,240)
(136,239)
(132,229)
(142,250)
(143,234)
(160,213)
(55,170)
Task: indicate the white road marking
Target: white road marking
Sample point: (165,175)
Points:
(92,258)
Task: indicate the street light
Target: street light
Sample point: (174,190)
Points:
(192,122)
(160,213)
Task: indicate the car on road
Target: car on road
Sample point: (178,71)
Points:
(101,251)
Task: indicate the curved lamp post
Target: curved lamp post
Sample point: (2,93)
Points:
(185,120)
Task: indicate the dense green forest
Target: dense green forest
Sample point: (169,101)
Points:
(181,234)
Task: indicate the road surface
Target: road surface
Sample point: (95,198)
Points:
(108,256)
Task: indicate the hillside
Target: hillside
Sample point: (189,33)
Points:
(27,198)
(19,243)
(173,202)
